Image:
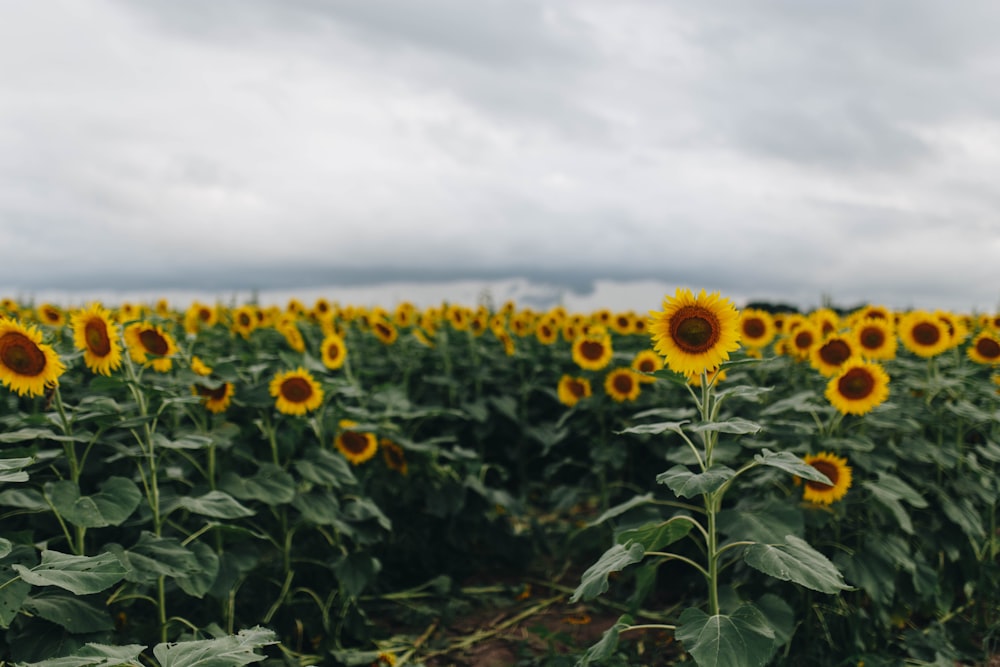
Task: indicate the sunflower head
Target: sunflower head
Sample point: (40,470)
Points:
(875,337)
(836,470)
(694,334)
(296,392)
(27,365)
(622,384)
(97,335)
(394,456)
(215,399)
(150,345)
(572,390)
(333,351)
(757,328)
(923,333)
(593,351)
(985,348)
(858,387)
(356,446)
(830,355)
(647,361)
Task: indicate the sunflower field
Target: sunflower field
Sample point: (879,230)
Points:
(330,484)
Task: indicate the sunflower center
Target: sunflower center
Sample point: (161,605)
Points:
(97,338)
(828,469)
(622,383)
(354,442)
(926,333)
(333,351)
(218,393)
(296,390)
(243,319)
(753,327)
(592,350)
(803,340)
(576,388)
(856,384)
(204,314)
(21,354)
(835,352)
(383,330)
(988,348)
(694,329)
(872,338)
(647,366)
(153,342)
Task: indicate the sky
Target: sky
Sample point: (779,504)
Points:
(797,152)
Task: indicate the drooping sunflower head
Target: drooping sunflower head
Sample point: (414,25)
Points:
(296,392)
(356,446)
(757,328)
(859,387)
(150,345)
(622,385)
(985,348)
(96,333)
(836,470)
(333,351)
(215,399)
(572,390)
(394,456)
(694,334)
(830,355)
(27,365)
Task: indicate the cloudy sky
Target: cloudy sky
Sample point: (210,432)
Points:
(782,150)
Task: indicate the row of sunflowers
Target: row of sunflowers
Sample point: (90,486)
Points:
(242,442)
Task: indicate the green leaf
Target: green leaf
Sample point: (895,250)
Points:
(621,508)
(780,617)
(216,504)
(743,639)
(94,655)
(791,463)
(10,469)
(76,614)
(686,484)
(607,645)
(890,484)
(767,523)
(233,650)
(77,574)
(803,401)
(12,595)
(153,557)
(659,427)
(189,441)
(29,499)
(318,507)
(734,425)
(655,536)
(595,580)
(890,501)
(324,467)
(201,580)
(355,571)
(5,546)
(964,515)
(116,501)
(797,562)
(745,391)
(271,485)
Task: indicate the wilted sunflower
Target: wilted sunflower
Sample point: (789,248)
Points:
(647,361)
(757,328)
(333,351)
(622,384)
(693,333)
(96,334)
(836,470)
(985,348)
(217,399)
(876,338)
(924,334)
(149,345)
(356,446)
(394,456)
(27,365)
(859,387)
(572,389)
(296,392)
(592,352)
(830,355)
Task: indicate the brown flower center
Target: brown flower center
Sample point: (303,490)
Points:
(694,329)
(576,388)
(988,348)
(835,352)
(647,366)
(872,338)
(296,390)
(153,342)
(333,351)
(96,334)
(623,383)
(856,384)
(217,394)
(926,333)
(592,350)
(753,328)
(803,340)
(20,354)
(828,469)
(354,442)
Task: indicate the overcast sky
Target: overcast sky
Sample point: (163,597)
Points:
(779,150)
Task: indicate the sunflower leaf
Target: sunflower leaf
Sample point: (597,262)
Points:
(658,427)
(686,484)
(605,648)
(798,562)
(594,581)
(621,508)
(656,535)
(81,575)
(793,464)
(734,425)
(743,639)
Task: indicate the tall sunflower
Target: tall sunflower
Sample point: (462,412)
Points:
(592,352)
(384,330)
(801,340)
(572,390)
(985,348)
(96,333)
(837,471)
(149,345)
(51,315)
(333,351)
(924,334)
(876,337)
(647,361)
(356,446)
(622,384)
(296,392)
(757,328)
(830,355)
(27,365)
(859,387)
(694,334)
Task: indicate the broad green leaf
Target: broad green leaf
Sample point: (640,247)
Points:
(797,562)
(803,401)
(743,639)
(271,485)
(743,391)
(77,574)
(607,645)
(686,484)
(595,580)
(189,441)
(764,523)
(11,469)
(5,546)
(363,509)
(94,655)
(153,557)
(659,427)
(780,617)
(116,501)
(216,504)
(201,580)
(964,515)
(655,536)
(76,614)
(29,499)
(324,467)
(233,650)
(621,508)
(12,595)
(355,571)
(791,463)
(890,484)
(890,501)
(733,425)
(318,507)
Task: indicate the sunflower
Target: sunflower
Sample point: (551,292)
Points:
(200,315)
(985,348)
(384,330)
(836,470)
(96,334)
(507,341)
(572,389)
(333,351)
(150,345)
(876,338)
(423,338)
(356,446)
(757,328)
(923,333)
(27,365)
(217,399)
(832,353)
(199,367)
(859,387)
(622,385)
(826,320)
(459,317)
(245,320)
(405,314)
(695,333)
(593,352)
(51,315)
(296,392)
(547,331)
(292,335)
(623,322)
(647,361)
(394,456)
(802,339)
